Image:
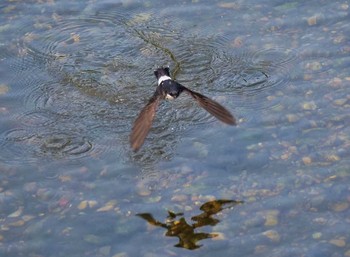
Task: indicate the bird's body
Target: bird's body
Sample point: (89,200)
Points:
(170,89)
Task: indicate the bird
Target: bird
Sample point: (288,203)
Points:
(170,89)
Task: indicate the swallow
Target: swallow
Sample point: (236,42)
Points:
(171,89)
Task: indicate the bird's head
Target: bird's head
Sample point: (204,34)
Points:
(162,71)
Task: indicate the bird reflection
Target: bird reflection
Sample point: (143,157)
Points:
(188,237)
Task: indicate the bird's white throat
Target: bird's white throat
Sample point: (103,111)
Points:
(163,78)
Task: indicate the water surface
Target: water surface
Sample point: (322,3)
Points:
(74,76)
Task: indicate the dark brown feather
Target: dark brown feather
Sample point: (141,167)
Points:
(213,107)
(143,122)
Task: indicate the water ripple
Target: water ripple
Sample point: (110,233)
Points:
(65,145)
(256,76)
(20,146)
(87,78)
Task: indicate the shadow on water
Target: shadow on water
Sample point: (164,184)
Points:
(177,226)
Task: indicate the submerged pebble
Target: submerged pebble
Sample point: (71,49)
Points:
(92,203)
(260,249)
(271,218)
(143,189)
(336,82)
(339,207)
(317,235)
(314,66)
(16,213)
(3,89)
(108,206)
(292,118)
(93,239)
(105,250)
(237,42)
(307,160)
(340,242)
(82,205)
(141,17)
(332,157)
(3,110)
(344,6)
(272,235)
(122,254)
(179,198)
(18,223)
(309,106)
(340,102)
(226,5)
(312,20)
(201,149)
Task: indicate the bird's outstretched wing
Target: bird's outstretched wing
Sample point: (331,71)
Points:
(213,107)
(143,122)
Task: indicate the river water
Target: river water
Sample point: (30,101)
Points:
(75,74)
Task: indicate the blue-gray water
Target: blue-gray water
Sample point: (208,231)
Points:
(74,76)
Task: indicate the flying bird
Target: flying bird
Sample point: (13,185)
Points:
(170,89)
